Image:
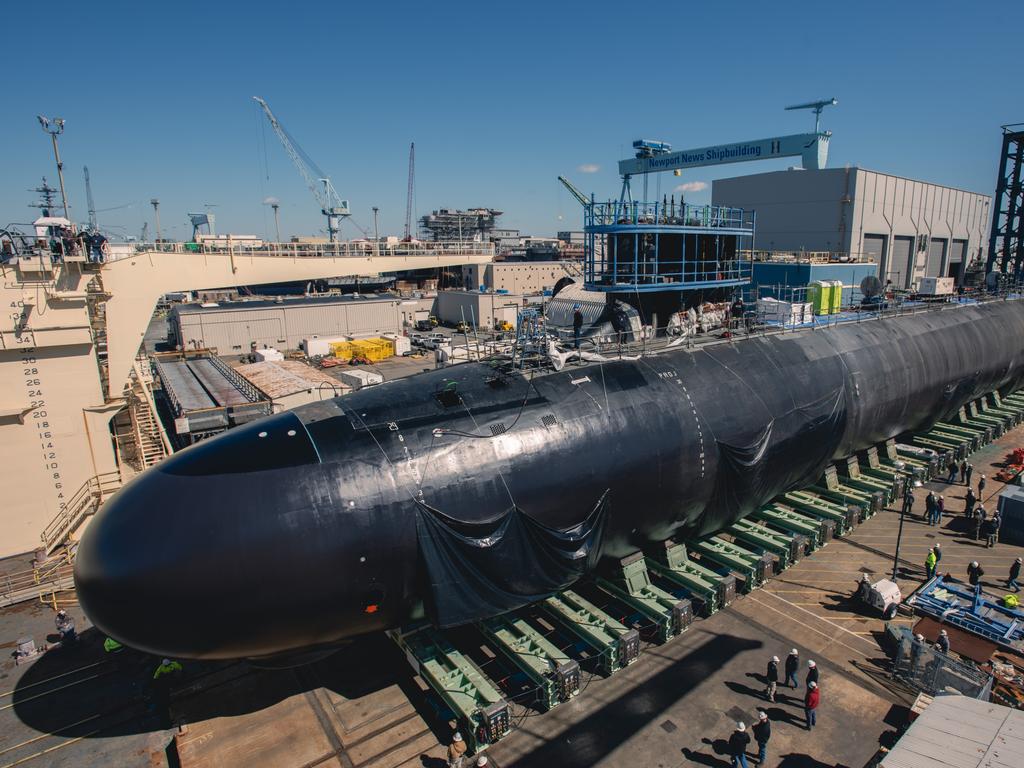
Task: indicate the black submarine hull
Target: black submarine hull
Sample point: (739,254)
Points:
(471,492)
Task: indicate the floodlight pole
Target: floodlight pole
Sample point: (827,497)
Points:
(55,127)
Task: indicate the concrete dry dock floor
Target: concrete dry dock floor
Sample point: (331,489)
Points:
(362,707)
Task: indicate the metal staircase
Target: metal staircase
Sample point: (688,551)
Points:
(96,302)
(84,503)
(148,433)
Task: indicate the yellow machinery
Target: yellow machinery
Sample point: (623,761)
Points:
(374,350)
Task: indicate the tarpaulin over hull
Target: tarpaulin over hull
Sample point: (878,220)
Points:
(477,570)
(788,451)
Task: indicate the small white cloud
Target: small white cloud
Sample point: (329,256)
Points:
(270,200)
(589,168)
(692,186)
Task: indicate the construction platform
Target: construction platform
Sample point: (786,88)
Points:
(206,395)
(673,704)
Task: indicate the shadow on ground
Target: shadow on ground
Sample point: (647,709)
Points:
(73,685)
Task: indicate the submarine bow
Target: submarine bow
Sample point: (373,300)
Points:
(469,491)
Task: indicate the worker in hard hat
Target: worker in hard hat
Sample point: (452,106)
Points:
(1011,583)
(812,672)
(762,734)
(738,741)
(792,665)
(577,325)
(811,702)
(772,677)
(167,671)
(65,627)
(456,751)
(942,641)
(168,667)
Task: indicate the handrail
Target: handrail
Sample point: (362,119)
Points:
(88,497)
(344,249)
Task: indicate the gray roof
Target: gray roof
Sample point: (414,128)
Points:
(305,301)
(960,732)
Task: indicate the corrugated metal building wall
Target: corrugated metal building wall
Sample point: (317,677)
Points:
(910,228)
(234,328)
(485,310)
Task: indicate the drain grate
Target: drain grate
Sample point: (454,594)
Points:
(668,726)
(548,420)
(498,429)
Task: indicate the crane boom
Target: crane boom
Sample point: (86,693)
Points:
(580,197)
(88,197)
(331,205)
(408,198)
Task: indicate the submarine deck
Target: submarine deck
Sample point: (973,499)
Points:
(363,707)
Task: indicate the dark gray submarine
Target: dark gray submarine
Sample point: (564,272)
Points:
(476,489)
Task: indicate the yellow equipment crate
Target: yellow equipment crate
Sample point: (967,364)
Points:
(373,350)
(342,349)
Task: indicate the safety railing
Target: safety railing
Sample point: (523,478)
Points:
(754,324)
(344,249)
(636,213)
(84,502)
(52,576)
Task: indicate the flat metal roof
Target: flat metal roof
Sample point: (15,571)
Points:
(960,732)
(305,301)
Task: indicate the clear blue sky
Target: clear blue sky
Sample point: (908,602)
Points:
(500,98)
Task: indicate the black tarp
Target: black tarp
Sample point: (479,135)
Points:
(482,569)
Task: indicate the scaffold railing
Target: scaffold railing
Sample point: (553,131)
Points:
(345,249)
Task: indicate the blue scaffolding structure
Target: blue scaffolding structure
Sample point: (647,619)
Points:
(645,246)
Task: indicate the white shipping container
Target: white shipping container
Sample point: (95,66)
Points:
(263,355)
(357,378)
(320,346)
(936,286)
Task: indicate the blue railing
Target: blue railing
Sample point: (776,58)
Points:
(631,214)
(664,246)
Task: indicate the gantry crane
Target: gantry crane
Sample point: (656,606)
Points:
(331,205)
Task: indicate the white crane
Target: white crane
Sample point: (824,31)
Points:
(331,205)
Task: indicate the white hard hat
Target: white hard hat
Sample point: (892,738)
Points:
(795,652)
(740,727)
(775,659)
(1019,560)
(762,714)
(166,662)
(938,545)
(919,638)
(974,563)
(457,736)
(942,632)
(482,760)
(812,684)
(810,663)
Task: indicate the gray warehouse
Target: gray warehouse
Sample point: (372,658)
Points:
(911,229)
(482,310)
(234,327)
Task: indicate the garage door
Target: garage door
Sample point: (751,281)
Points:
(899,268)
(957,255)
(874,248)
(936,253)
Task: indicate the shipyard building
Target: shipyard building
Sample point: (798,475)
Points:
(237,328)
(518,276)
(911,229)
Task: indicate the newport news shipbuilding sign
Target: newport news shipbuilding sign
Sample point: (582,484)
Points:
(811,147)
